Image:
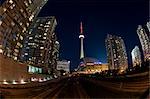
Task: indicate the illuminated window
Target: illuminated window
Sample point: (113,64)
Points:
(4,9)
(15,58)
(30,1)
(1,51)
(29,32)
(25,2)
(12,23)
(16,50)
(31,17)
(0,22)
(30,38)
(19,44)
(10,1)
(46,30)
(24,28)
(49,22)
(41,47)
(20,23)
(41,24)
(46,26)
(11,7)
(45,33)
(8,55)
(21,10)
(21,37)
(27,24)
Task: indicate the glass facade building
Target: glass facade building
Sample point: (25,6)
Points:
(15,19)
(136,56)
(116,53)
(145,42)
(39,41)
(148,25)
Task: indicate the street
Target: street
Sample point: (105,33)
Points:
(82,87)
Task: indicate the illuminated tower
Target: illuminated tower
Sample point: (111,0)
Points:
(81,36)
(144,39)
(116,53)
(148,25)
(136,56)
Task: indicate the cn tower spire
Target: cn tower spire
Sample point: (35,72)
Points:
(81,28)
(81,36)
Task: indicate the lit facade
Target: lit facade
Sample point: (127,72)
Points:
(145,42)
(136,56)
(16,17)
(116,53)
(41,45)
(148,25)
(63,65)
(95,67)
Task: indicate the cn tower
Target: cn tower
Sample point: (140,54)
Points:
(81,36)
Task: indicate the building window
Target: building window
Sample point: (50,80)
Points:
(30,1)
(41,24)
(25,2)
(27,24)
(26,54)
(12,6)
(12,23)
(41,47)
(45,34)
(1,51)
(15,58)
(10,1)
(20,23)
(49,22)
(0,22)
(21,10)
(30,38)
(16,50)
(31,17)
(19,44)
(21,37)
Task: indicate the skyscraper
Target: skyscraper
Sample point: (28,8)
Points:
(145,42)
(81,36)
(16,17)
(148,25)
(116,53)
(40,42)
(136,56)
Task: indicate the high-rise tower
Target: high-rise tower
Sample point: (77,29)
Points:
(136,56)
(116,53)
(144,39)
(81,36)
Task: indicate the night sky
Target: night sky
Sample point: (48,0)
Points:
(99,17)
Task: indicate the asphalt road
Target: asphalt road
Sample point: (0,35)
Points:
(74,88)
(78,87)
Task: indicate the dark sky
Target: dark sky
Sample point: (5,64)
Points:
(99,17)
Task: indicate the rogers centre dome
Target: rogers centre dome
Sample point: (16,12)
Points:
(90,60)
